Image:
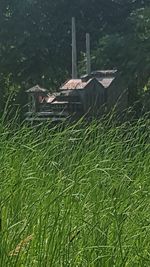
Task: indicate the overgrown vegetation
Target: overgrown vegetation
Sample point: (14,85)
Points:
(78,196)
(75,197)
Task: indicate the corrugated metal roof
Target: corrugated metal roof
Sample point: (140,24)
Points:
(50,99)
(36,89)
(74,84)
(79,84)
(106,82)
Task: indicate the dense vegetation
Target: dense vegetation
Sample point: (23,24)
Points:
(77,197)
(35,41)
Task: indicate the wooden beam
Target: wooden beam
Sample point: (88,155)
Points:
(74,50)
(88,56)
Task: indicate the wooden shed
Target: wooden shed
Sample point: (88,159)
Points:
(116,91)
(36,95)
(98,92)
(88,92)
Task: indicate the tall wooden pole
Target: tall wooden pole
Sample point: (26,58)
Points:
(88,56)
(74,50)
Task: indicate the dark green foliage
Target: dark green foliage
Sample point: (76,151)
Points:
(35,39)
(128,51)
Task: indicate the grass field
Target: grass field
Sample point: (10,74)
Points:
(77,197)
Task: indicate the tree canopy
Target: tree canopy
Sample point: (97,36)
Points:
(35,40)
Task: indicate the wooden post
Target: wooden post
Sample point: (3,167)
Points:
(33,103)
(74,50)
(88,57)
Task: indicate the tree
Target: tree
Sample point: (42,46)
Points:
(129,52)
(35,37)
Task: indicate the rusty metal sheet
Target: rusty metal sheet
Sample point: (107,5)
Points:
(74,84)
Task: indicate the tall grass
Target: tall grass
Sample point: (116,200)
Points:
(77,197)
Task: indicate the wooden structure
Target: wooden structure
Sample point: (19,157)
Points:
(91,95)
(99,92)
(36,95)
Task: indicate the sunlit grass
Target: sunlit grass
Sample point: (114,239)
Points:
(77,197)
